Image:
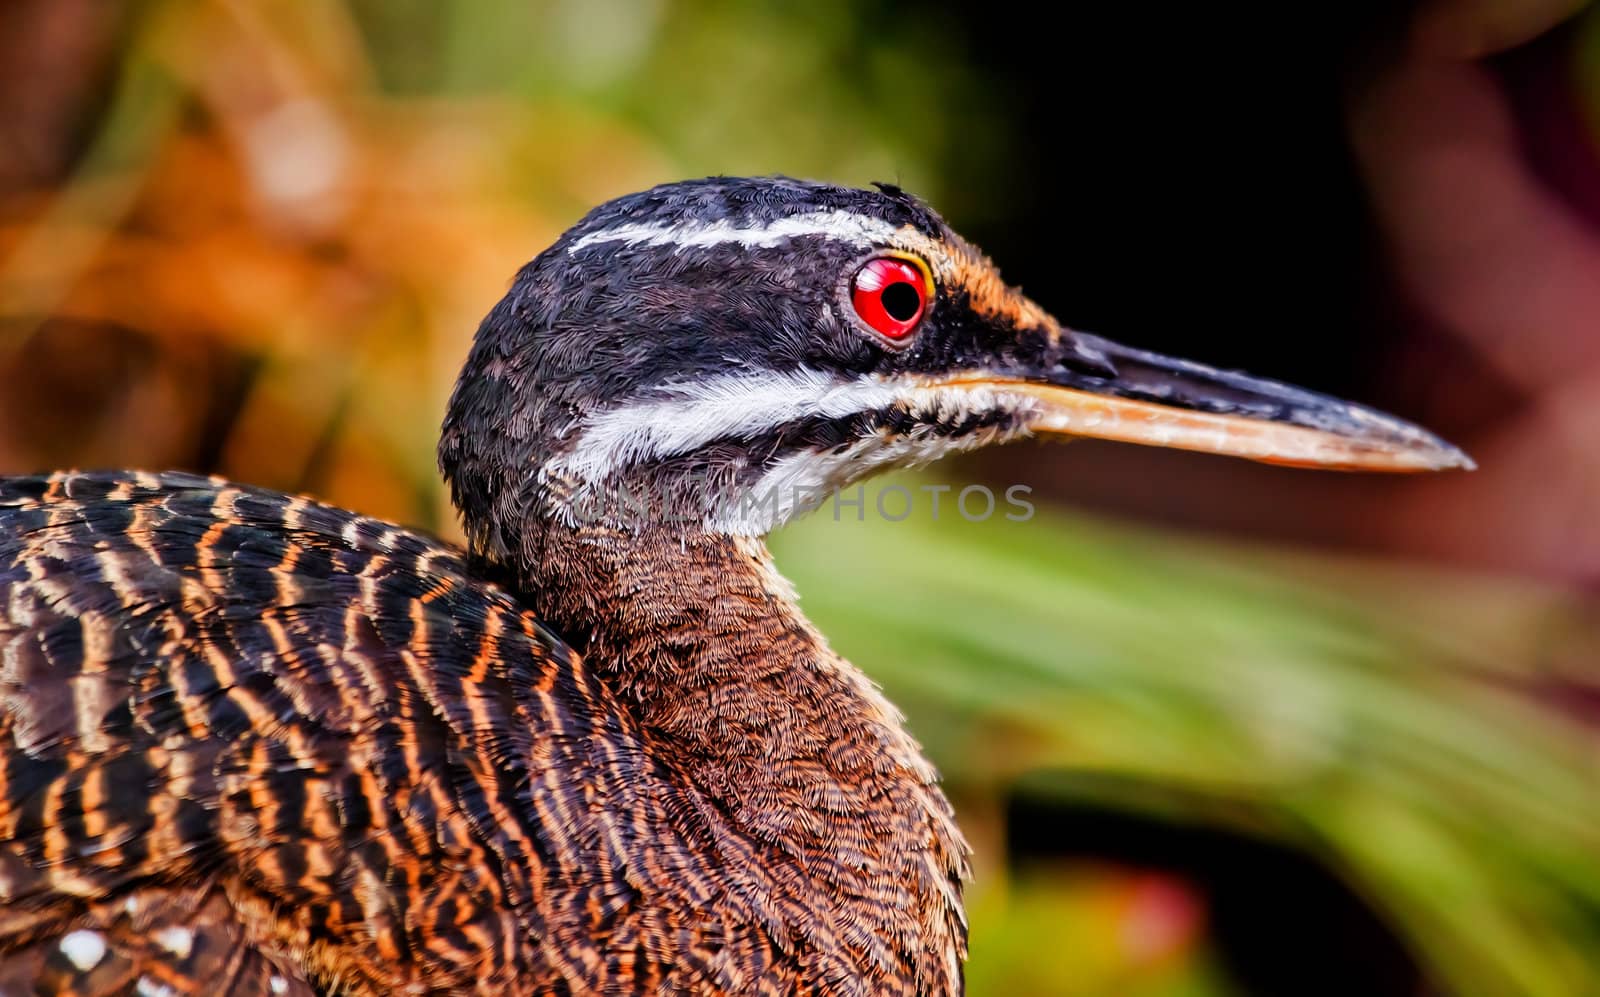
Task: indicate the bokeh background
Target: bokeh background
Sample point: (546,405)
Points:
(1214,729)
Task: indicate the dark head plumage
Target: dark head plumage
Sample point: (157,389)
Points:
(701,346)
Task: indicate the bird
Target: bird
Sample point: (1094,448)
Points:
(251,743)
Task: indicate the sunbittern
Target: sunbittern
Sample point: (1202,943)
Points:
(253,744)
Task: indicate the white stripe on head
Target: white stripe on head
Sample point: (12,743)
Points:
(742,405)
(837,225)
(697,413)
(801,482)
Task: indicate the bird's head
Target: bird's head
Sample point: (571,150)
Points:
(722,354)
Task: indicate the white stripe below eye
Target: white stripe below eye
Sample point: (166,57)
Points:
(806,480)
(699,413)
(841,226)
(735,406)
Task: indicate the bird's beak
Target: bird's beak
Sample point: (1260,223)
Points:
(1081,385)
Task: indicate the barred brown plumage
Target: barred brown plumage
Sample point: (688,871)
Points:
(327,718)
(254,744)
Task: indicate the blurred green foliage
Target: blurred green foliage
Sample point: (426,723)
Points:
(830,89)
(1369,714)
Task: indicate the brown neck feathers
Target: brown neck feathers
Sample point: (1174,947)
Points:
(702,637)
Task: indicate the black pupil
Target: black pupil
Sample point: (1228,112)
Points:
(901,301)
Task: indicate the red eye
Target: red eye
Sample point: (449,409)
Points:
(890,295)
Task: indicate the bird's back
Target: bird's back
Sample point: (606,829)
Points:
(250,743)
(258,744)
(241,732)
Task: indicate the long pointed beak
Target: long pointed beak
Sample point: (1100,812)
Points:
(1091,387)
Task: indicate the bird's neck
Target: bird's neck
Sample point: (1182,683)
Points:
(702,636)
